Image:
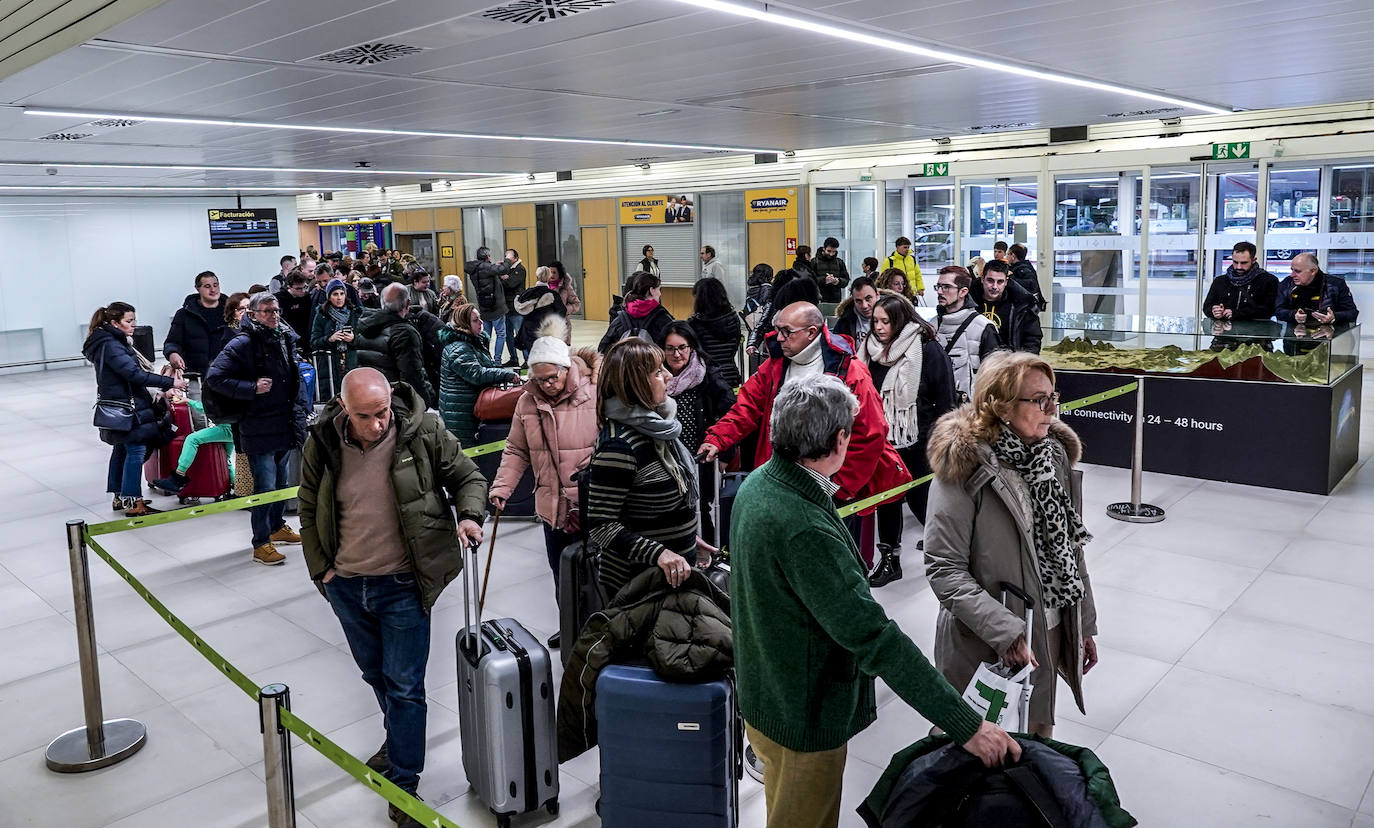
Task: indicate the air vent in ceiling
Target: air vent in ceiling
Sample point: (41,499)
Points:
(542,11)
(366,54)
(1146,113)
(65,136)
(115,123)
(1002,127)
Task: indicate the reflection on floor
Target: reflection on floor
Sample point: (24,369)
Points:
(1237,641)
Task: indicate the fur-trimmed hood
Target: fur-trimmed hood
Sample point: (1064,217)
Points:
(955,451)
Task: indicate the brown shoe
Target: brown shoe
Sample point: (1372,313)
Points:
(285,535)
(268,555)
(141,508)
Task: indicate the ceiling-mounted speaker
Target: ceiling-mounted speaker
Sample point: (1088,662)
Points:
(563,175)
(1065,135)
(328,196)
(765,158)
(426,187)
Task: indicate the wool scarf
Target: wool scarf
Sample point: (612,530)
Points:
(690,377)
(662,427)
(901,385)
(1058,531)
(339,316)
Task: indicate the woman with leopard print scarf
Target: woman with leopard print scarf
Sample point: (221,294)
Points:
(1002,510)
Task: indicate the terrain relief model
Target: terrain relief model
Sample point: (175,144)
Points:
(1236,360)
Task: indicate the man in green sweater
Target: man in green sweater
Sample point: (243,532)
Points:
(809,638)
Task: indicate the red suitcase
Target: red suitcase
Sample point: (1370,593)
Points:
(209,472)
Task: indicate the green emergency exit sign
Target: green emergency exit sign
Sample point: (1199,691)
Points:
(941,168)
(1226,151)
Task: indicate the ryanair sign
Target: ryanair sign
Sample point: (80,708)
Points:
(778,203)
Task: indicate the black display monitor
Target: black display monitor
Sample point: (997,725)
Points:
(243,228)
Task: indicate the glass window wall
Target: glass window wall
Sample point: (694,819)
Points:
(720,218)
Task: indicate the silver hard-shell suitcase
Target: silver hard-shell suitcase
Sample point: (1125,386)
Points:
(505,710)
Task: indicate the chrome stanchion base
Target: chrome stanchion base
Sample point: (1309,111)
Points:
(1135,512)
(70,752)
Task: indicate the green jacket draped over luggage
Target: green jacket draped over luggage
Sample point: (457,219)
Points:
(428,463)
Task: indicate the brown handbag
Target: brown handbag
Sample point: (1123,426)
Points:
(497,403)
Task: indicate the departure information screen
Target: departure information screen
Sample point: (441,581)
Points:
(243,228)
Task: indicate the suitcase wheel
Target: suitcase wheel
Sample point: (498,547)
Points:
(552,807)
(192,501)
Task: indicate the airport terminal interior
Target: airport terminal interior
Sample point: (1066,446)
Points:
(1127,148)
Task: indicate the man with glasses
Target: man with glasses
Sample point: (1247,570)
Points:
(968,337)
(830,273)
(197,327)
(258,367)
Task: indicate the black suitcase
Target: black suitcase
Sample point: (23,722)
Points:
(143,342)
(521,501)
(579,580)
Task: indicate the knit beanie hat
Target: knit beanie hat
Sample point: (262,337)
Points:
(334,284)
(550,350)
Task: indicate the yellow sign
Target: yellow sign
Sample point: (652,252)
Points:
(644,210)
(446,252)
(777,203)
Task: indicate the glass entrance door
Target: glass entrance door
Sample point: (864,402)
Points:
(1003,209)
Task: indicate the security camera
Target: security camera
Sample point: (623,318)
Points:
(51,170)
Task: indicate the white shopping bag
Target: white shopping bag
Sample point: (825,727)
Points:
(1002,695)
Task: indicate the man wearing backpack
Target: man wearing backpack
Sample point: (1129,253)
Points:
(255,384)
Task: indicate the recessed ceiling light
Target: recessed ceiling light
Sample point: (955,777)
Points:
(222,168)
(830,27)
(419,133)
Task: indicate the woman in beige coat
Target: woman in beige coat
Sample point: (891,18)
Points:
(1002,509)
(553,431)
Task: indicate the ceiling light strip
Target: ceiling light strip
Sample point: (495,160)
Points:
(827,27)
(417,133)
(220,168)
(305,188)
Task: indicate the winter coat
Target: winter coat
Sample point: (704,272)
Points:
(704,405)
(556,438)
(653,324)
(977,341)
(908,265)
(823,266)
(1326,292)
(934,395)
(429,326)
(1023,273)
(535,305)
(568,293)
(191,336)
(387,341)
(1254,300)
(684,634)
(465,368)
(428,473)
(427,298)
(720,338)
(274,421)
(872,465)
(928,779)
(298,312)
(756,299)
(1020,328)
(847,321)
(341,357)
(977,536)
(118,376)
(512,285)
(487,286)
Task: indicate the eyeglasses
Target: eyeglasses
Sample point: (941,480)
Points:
(546,381)
(269,311)
(677,349)
(1045,404)
(785,333)
(943,286)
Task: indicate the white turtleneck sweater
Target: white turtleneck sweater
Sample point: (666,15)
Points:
(807,362)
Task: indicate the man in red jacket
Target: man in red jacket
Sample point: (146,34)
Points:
(803,345)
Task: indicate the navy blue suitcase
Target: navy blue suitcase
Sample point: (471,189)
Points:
(671,753)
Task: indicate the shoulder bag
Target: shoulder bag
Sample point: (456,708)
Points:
(113,415)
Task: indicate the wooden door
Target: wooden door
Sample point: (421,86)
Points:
(596,269)
(768,244)
(449,265)
(523,242)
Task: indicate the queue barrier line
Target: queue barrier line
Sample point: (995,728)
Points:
(883,497)
(355,768)
(220,663)
(220,507)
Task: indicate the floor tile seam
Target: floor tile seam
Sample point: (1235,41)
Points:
(116,818)
(1320,630)
(1242,774)
(1196,556)
(1179,600)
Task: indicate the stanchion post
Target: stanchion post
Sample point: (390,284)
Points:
(1135,511)
(276,754)
(100,743)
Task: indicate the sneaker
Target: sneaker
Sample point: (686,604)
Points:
(285,535)
(753,765)
(138,507)
(401,818)
(119,505)
(379,761)
(171,485)
(555,640)
(268,555)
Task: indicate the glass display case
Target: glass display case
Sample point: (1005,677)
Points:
(1183,346)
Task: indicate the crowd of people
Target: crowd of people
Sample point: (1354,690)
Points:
(821,413)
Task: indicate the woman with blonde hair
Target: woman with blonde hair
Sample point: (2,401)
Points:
(1004,463)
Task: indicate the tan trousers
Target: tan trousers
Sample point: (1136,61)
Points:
(800,790)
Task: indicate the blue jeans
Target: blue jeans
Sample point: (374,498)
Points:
(388,633)
(269,474)
(499,325)
(513,323)
(125,477)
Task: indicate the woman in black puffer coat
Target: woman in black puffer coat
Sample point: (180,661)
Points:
(717,325)
(122,374)
(535,305)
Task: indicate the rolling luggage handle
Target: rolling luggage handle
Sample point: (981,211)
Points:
(472,641)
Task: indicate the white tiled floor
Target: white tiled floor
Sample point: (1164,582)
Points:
(1237,652)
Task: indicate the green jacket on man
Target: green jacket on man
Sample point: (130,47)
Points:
(428,463)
